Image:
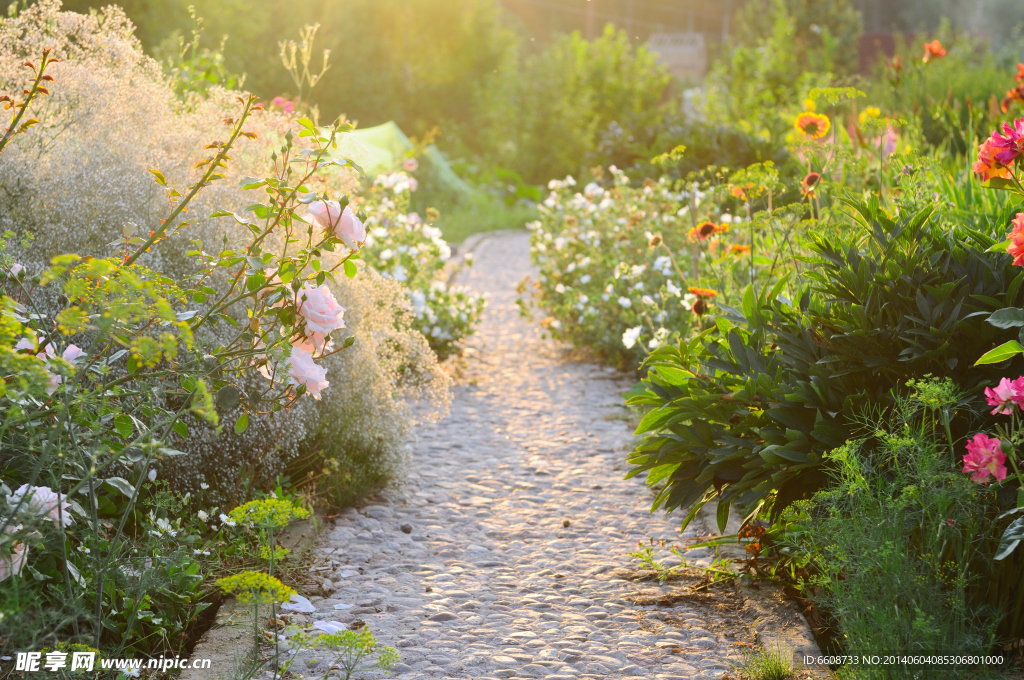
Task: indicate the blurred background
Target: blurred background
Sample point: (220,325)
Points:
(512,93)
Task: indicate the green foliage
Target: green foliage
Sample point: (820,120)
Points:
(566,106)
(766,664)
(900,544)
(351,650)
(747,409)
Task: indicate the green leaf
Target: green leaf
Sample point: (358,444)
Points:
(227,397)
(252,182)
(1011,539)
(350,269)
(159,176)
(722,516)
(1011,317)
(222,213)
(1001,353)
(242,424)
(181,428)
(123,425)
(121,485)
(306,123)
(998,247)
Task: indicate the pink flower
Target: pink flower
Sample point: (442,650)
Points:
(322,313)
(343,224)
(289,107)
(410,165)
(950,522)
(888,142)
(1016,237)
(15,562)
(984,458)
(1010,144)
(278,101)
(304,371)
(1002,397)
(41,501)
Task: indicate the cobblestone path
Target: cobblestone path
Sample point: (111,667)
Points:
(503,554)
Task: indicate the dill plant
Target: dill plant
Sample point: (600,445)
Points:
(901,540)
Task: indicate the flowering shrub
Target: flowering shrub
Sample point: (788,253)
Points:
(210,298)
(405,248)
(625,270)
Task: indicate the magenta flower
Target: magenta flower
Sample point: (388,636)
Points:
(1010,144)
(1002,397)
(984,458)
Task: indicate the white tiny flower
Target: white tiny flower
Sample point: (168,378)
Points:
(227,521)
(560,288)
(204,486)
(625,302)
(152,474)
(647,300)
(585,279)
(203,517)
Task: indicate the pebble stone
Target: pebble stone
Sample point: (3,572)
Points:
(497,556)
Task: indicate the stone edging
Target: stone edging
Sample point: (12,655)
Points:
(230,643)
(778,622)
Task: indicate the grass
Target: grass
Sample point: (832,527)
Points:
(766,664)
(483,213)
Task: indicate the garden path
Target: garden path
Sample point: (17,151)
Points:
(503,554)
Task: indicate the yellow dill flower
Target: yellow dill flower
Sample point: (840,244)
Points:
(255,586)
(269,512)
(868,113)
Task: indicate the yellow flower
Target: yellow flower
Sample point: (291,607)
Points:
(255,586)
(868,113)
(269,512)
(813,125)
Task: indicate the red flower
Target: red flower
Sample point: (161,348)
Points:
(810,183)
(985,457)
(1016,236)
(987,167)
(933,50)
(1010,144)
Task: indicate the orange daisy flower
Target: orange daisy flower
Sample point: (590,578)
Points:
(1014,95)
(813,125)
(987,167)
(706,292)
(739,249)
(739,193)
(933,50)
(703,231)
(700,305)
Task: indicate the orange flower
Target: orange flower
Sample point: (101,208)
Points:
(703,231)
(700,305)
(933,50)
(1014,95)
(810,183)
(813,125)
(1020,73)
(739,193)
(987,167)
(739,249)
(1016,236)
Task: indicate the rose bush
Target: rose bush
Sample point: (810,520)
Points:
(205,305)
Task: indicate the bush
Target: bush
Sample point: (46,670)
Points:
(406,249)
(902,541)
(121,362)
(746,410)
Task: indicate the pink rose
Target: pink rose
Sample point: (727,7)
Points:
(304,371)
(410,165)
(289,107)
(321,311)
(278,101)
(41,501)
(984,457)
(342,223)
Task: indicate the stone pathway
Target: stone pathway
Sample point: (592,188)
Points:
(504,553)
